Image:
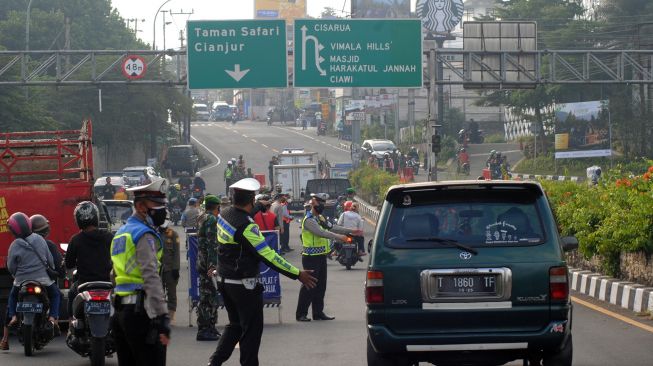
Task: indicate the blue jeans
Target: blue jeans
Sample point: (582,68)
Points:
(54,295)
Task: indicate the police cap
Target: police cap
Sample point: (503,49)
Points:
(155,191)
(247,184)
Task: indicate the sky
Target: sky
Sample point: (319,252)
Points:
(203,9)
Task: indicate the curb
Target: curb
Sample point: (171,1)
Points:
(627,295)
(546,177)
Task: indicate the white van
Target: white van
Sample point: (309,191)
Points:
(201,111)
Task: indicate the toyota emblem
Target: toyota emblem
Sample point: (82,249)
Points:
(465,255)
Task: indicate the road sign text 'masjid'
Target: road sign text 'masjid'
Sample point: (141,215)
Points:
(358,53)
(237,54)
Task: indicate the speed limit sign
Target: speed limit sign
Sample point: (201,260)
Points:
(134,67)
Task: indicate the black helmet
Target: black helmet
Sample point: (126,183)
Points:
(19,225)
(87,214)
(40,225)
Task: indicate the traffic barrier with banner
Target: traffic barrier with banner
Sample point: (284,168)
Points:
(267,277)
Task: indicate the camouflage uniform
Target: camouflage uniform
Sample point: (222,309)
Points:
(207,256)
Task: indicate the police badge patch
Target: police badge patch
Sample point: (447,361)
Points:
(255,230)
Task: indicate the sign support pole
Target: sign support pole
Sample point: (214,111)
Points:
(429,152)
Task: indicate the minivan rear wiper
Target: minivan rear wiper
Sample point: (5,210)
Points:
(443,241)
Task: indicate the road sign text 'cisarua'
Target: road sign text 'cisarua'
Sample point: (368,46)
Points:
(358,53)
(237,54)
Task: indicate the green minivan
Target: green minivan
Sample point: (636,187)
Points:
(468,273)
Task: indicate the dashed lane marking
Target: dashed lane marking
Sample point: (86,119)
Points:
(275,150)
(310,137)
(265,146)
(254,141)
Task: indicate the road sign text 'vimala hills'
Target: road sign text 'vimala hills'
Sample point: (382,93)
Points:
(227,54)
(358,53)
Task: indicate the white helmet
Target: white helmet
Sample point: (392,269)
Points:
(198,174)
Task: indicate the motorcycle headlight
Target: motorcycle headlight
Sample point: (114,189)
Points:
(37,290)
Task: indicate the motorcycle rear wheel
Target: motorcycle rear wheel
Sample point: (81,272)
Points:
(98,350)
(28,340)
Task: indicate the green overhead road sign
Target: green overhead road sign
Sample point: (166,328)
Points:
(236,54)
(358,53)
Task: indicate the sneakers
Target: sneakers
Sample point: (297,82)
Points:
(206,335)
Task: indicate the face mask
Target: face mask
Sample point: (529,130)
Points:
(319,208)
(157,216)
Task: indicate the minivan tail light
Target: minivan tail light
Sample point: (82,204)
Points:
(558,284)
(374,287)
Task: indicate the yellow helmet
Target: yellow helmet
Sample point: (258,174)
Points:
(178,187)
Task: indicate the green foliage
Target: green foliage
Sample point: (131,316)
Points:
(371,183)
(129,114)
(613,217)
(547,165)
(497,138)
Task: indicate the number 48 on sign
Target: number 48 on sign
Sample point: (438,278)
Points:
(134,67)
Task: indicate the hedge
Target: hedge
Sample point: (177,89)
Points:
(372,183)
(613,217)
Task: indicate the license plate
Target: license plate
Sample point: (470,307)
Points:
(29,307)
(348,246)
(466,285)
(98,308)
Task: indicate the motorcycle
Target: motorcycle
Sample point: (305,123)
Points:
(184,195)
(234,119)
(414,164)
(89,334)
(175,213)
(347,253)
(197,193)
(32,311)
(321,129)
(269,121)
(463,167)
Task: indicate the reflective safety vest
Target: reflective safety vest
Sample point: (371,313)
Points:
(313,244)
(228,173)
(123,255)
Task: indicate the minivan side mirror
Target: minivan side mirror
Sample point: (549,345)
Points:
(569,243)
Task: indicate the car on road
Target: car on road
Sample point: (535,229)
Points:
(222,112)
(377,148)
(118,211)
(468,273)
(136,175)
(181,158)
(201,111)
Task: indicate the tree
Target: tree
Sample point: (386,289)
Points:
(329,13)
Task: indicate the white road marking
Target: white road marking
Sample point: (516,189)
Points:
(275,150)
(245,136)
(254,141)
(307,136)
(265,146)
(210,152)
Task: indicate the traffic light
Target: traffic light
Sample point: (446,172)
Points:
(435,143)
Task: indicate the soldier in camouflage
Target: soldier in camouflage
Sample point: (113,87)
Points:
(207,257)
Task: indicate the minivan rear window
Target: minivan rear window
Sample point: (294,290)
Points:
(472,217)
(180,152)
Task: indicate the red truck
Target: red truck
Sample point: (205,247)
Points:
(44,172)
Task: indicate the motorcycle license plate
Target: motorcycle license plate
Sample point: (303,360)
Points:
(348,246)
(29,307)
(98,308)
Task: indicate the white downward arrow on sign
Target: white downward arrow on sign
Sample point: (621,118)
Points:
(237,74)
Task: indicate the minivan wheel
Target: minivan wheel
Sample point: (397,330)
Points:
(562,357)
(377,359)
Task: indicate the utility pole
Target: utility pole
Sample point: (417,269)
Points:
(164,27)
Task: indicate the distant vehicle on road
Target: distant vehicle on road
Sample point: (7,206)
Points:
(119,211)
(222,112)
(201,111)
(137,175)
(181,158)
(377,148)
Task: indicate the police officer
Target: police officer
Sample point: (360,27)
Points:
(316,247)
(228,175)
(207,257)
(140,325)
(240,250)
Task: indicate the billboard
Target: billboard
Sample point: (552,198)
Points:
(582,130)
(380,9)
(280,9)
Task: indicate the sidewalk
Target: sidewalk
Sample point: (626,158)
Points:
(628,295)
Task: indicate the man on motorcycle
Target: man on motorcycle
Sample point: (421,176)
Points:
(185,182)
(28,259)
(199,182)
(189,217)
(88,250)
(41,226)
(463,158)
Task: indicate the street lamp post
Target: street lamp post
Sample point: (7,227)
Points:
(29,7)
(154,23)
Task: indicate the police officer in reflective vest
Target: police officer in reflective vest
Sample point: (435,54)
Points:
(241,247)
(140,325)
(316,247)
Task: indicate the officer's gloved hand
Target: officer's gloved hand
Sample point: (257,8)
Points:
(162,324)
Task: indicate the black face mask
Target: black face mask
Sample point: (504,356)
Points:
(158,216)
(319,208)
